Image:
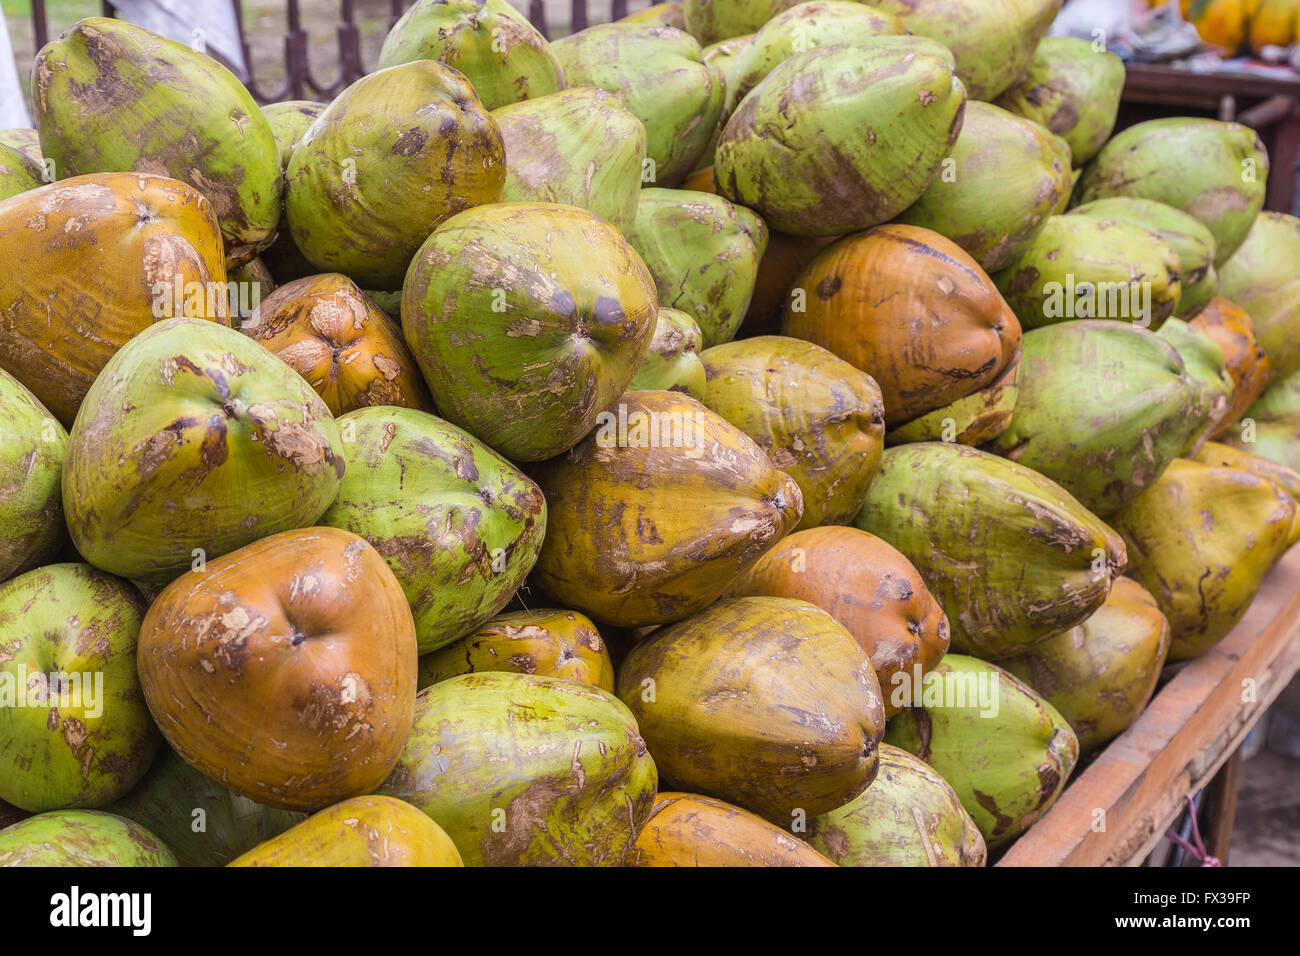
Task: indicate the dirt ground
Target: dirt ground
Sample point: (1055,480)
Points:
(1267,832)
(1268,800)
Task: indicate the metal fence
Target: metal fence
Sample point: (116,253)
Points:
(299,82)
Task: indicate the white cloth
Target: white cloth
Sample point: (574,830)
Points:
(209,24)
(13,108)
(1130,28)
(1080,18)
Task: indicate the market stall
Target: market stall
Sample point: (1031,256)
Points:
(746,433)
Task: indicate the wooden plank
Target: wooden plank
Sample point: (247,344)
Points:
(1149,82)
(1137,786)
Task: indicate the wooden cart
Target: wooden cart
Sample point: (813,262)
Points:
(1115,811)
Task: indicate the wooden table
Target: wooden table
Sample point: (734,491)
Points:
(1191,729)
(1270,106)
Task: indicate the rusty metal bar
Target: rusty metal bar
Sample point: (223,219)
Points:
(295,55)
(40,23)
(298,80)
(351,67)
(251,82)
(537,15)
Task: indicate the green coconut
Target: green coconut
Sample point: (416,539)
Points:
(1104,407)
(527,320)
(113,97)
(201,821)
(459,526)
(489,41)
(1011,555)
(849,23)
(1100,674)
(192,442)
(652,515)
(1288,479)
(673,361)
(813,147)
(545,641)
(665,83)
(581,147)
(75,838)
(18,172)
(909,816)
(703,252)
(722,53)
(1206,366)
(661,15)
(26,141)
(1204,573)
(1067,157)
(1072,88)
(1005,750)
(289,120)
(1069,197)
(524,770)
(1090,267)
(366,831)
(32,449)
(972,419)
(765,702)
(74,727)
(1271,426)
(1263,278)
(1002,180)
(818,418)
(993,40)
(1212,170)
(1192,241)
(393,156)
(712,21)
(800,29)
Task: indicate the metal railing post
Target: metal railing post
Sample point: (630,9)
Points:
(298,81)
(350,66)
(40,24)
(537,16)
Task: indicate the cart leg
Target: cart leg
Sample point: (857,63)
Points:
(1219,808)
